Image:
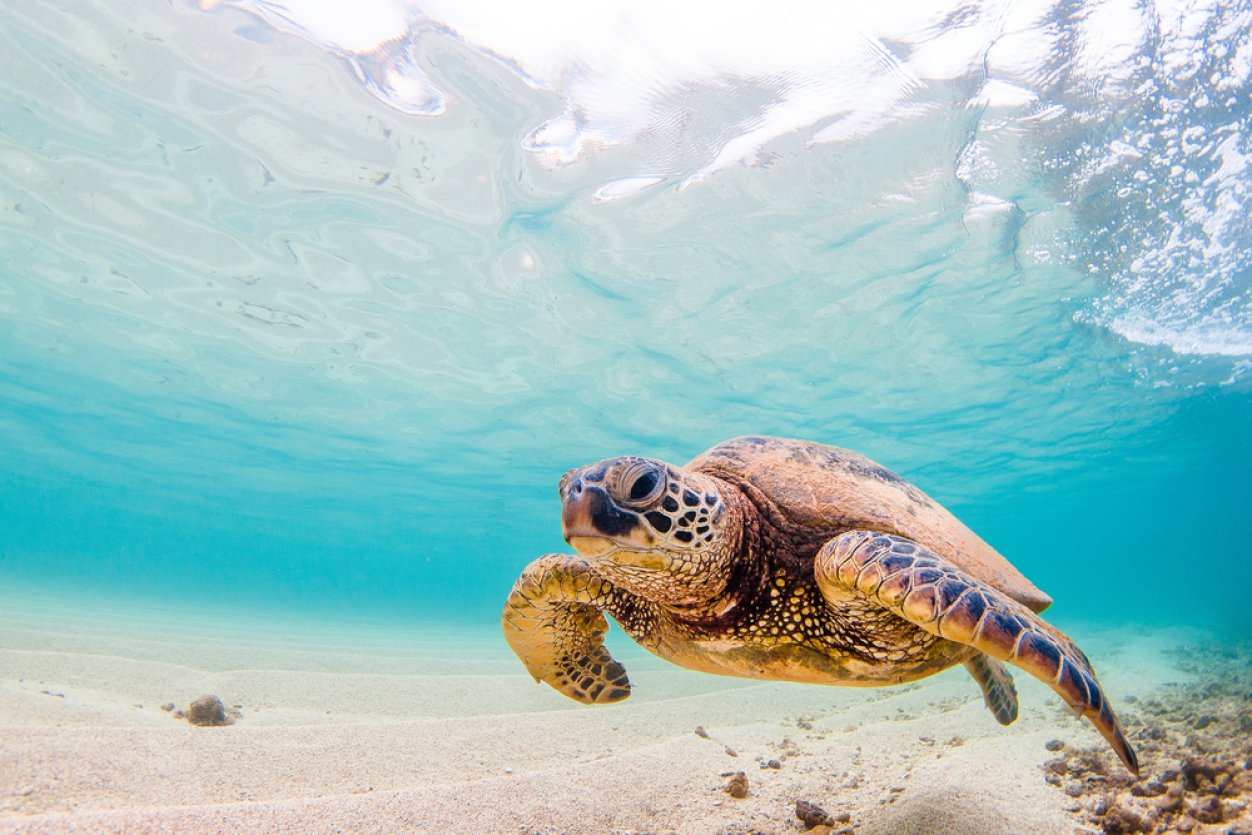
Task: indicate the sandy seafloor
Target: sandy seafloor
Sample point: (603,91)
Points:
(358,727)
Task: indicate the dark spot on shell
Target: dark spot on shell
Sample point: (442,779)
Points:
(683,536)
(690,499)
(670,504)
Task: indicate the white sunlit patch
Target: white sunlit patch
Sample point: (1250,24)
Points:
(998,93)
(626,187)
(986,207)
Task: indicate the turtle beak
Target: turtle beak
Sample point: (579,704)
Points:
(576,515)
(591,523)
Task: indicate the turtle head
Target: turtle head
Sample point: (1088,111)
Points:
(654,529)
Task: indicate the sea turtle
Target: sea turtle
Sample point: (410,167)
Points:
(782,559)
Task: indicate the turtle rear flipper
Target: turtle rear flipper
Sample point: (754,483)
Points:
(934,594)
(997,686)
(554,621)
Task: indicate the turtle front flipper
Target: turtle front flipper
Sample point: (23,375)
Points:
(554,621)
(934,594)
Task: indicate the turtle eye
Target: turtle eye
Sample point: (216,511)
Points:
(642,484)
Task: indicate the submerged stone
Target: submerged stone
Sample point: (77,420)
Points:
(208,711)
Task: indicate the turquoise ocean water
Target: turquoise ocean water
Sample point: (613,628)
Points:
(310,314)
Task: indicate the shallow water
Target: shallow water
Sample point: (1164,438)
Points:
(304,312)
(303,315)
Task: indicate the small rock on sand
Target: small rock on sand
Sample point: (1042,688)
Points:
(811,815)
(208,711)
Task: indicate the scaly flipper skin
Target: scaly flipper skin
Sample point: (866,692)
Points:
(997,686)
(554,621)
(929,591)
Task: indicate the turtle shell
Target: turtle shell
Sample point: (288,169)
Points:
(821,491)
